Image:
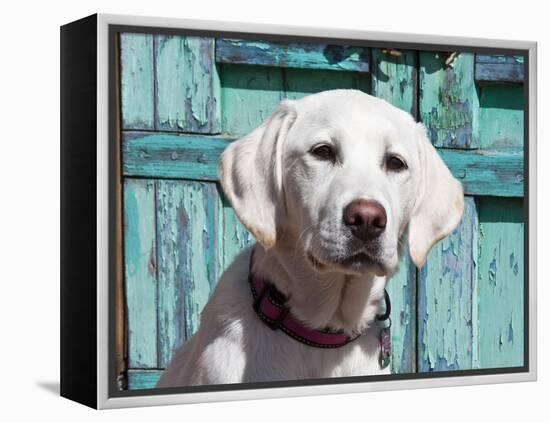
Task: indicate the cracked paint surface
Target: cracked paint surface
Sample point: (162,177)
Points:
(293,55)
(137,81)
(501,293)
(186,96)
(395,79)
(446,284)
(188,258)
(448,102)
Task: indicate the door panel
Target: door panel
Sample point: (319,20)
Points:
(462,310)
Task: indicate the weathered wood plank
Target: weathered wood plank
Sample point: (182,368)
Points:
(487,172)
(137,81)
(143,379)
(293,55)
(185,87)
(501,273)
(140,271)
(394,78)
(499,68)
(162,155)
(482,172)
(501,116)
(187,222)
(301,82)
(249,95)
(446,298)
(402,291)
(448,99)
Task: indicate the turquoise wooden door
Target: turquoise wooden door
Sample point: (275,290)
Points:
(184,98)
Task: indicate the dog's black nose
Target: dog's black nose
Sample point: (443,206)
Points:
(366,218)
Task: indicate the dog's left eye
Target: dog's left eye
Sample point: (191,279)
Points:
(324,152)
(395,163)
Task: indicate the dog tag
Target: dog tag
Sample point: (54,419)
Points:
(385,347)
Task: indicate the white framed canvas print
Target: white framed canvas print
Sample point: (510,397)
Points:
(254,211)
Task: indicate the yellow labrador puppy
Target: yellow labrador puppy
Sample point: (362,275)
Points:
(329,185)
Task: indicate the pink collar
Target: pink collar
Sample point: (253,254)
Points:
(270,306)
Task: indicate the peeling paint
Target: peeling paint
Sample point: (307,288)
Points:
(514,265)
(511,331)
(293,55)
(184,80)
(446,294)
(137,81)
(500,339)
(493,270)
(394,79)
(189,255)
(448,102)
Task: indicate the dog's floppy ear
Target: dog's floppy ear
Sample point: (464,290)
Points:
(439,204)
(251,174)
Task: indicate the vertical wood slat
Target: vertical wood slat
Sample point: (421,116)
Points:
(447,297)
(137,81)
(140,272)
(448,99)
(187,93)
(394,78)
(401,288)
(501,273)
(187,216)
(501,116)
(249,95)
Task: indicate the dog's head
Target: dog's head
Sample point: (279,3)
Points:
(342,174)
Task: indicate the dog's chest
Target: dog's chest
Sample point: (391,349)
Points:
(280,357)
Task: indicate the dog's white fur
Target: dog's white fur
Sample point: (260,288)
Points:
(292,201)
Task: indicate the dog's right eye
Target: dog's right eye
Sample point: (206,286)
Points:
(324,152)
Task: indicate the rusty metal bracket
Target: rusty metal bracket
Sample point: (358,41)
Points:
(450,58)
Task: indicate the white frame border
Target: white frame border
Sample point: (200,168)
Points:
(103,400)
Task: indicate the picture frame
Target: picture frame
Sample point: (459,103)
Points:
(115,135)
